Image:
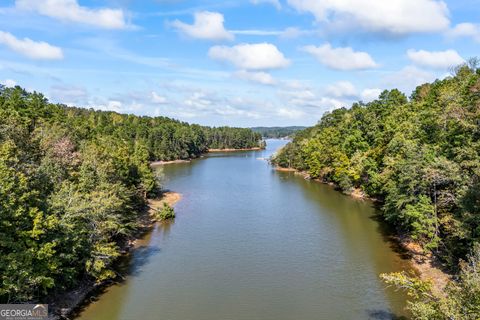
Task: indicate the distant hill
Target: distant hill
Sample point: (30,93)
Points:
(277,132)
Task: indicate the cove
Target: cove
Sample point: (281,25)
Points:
(252,243)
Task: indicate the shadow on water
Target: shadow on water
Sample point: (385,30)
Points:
(144,250)
(141,256)
(384,315)
(125,269)
(390,235)
(129,265)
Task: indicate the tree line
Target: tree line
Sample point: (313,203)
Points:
(73,183)
(420,156)
(277,132)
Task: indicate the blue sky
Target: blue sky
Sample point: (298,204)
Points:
(239,63)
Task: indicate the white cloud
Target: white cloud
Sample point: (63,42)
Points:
(275,3)
(341,58)
(111,105)
(294,32)
(287,33)
(207,25)
(368,95)
(342,89)
(199,100)
(305,94)
(469,30)
(306,98)
(71,11)
(120,106)
(346,90)
(257,77)
(69,95)
(408,78)
(8,83)
(158,99)
(435,59)
(254,32)
(202,103)
(231,111)
(29,48)
(290,113)
(258,56)
(393,17)
(314,103)
(294,84)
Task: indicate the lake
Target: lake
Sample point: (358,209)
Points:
(252,243)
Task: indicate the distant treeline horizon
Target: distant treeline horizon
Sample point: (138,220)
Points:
(277,132)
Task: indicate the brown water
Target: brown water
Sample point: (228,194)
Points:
(251,243)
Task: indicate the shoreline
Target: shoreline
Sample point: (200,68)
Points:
(67,303)
(161,163)
(425,264)
(235,150)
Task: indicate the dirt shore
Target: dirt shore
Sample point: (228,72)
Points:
(427,266)
(161,163)
(285,169)
(234,150)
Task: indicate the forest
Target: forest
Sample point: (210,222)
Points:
(420,157)
(73,183)
(277,132)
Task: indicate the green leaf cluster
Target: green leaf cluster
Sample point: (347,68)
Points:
(166,212)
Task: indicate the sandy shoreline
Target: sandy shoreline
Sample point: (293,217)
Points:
(427,266)
(234,150)
(285,169)
(170,197)
(424,263)
(161,163)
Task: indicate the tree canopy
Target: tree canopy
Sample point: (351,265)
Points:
(73,182)
(277,132)
(420,156)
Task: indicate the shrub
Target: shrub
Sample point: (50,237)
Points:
(166,212)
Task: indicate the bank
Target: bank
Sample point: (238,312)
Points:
(162,162)
(235,150)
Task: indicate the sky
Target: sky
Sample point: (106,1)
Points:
(237,63)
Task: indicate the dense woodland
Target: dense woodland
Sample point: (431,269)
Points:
(420,156)
(228,138)
(277,132)
(73,183)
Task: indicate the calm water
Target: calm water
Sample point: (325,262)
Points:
(252,243)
